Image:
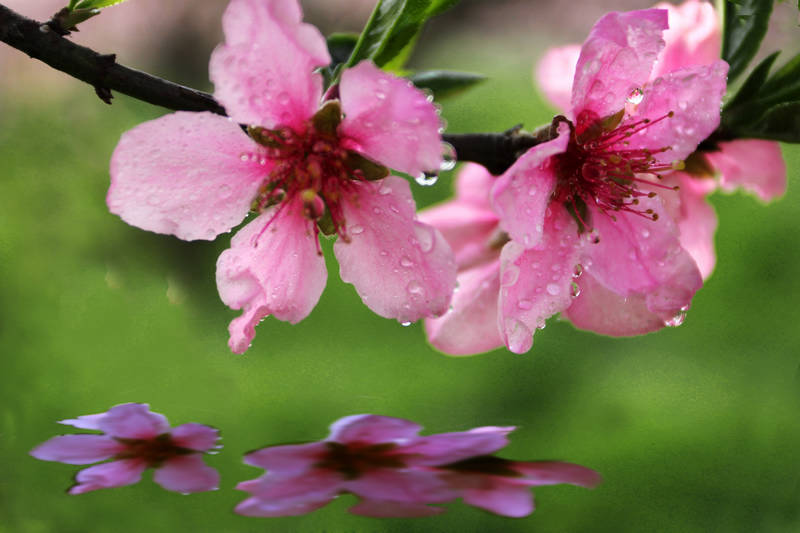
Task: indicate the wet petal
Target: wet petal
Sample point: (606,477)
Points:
(271,268)
(195,437)
(639,255)
(108,475)
(521,195)
(535,284)
(183,174)
(262,73)
(603,311)
(617,58)
(693,95)
(78,449)
(446,448)
(133,421)
(287,460)
(389,120)
(470,327)
(694,36)
(372,428)
(390,509)
(754,165)
(466,228)
(187,473)
(401,268)
(288,496)
(554,75)
(554,472)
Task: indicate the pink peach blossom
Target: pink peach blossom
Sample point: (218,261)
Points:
(694,38)
(307,165)
(589,233)
(136,439)
(380,459)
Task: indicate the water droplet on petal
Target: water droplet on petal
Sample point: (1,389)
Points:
(678,319)
(425,237)
(518,336)
(525,304)
(510,276)
(448,157)
(532,190)
(553,289)
(578,271)
(380,95)
(406,262)
(575,290)
(635,97)
(384,190)
(355,230)
(415,288)
(426,179)
(405,324)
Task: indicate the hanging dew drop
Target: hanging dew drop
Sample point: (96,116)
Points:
(575,290)
(405,324)
(635,97)
(426,179)
(678,319)
(448,157)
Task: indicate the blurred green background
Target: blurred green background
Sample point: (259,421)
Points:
(693,428)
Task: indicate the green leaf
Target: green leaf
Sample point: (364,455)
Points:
(755,81)
(785,83)
(779,123)
(745,24)
(445,83)
(340,46)
(392,29)
(94,4)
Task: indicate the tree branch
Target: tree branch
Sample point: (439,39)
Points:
(495,151)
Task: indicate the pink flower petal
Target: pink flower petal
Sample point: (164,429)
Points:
(694,36)
(390,509)
(289,496)
(636,254)
(195,437)
(521,195)
(186,473)
(505,499)
(108,475)
(756,166)
(603,311)
(554,472)
(77,449)
(693,95)
(446,448)
(535,284)
(183,174)
(401,268)
(474,186)
(470,327)
(271,268)
(133,421)
(262,74)
(554,75)
(85,421)
(287,460)
(697,221)
(372,429)
(617,58)
(412,486)
(388,120)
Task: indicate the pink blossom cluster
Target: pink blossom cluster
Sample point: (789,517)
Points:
(380,459)
(603,224)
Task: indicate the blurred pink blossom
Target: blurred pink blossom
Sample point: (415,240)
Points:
(136,439)
(394,471)
(694,38)
(306,165)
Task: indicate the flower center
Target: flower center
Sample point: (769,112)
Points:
(599,168)
(153,451)
(354,459)
(311,165)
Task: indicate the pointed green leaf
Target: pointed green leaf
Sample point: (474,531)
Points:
(784,85)
(745,24)
(779,123)
(752,86)
(391,30)
(445,83)
(340,46)
(94,4)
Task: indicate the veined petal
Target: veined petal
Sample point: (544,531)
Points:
(521,195)
(554,75)
(617,58)
(108,475)
(390,509)
(186,473)
(133,421)
(372,428)
(756,166)
(401,268)
(291,459)
(603,311)
(389,120)
(78,449)
(184,174)
(262,73)
(446,448)
(637,254)
(694,36)
(470,327)
(271,268)
(195,437)
(693,96)
(536,283)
